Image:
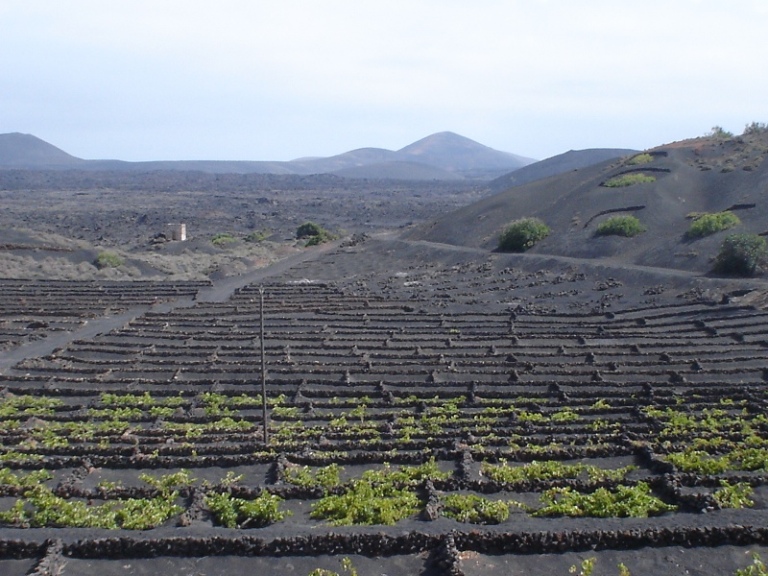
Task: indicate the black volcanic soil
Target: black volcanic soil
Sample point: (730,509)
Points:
(119,209)
(399,285)
(694,176)
(54,224)
(414,324)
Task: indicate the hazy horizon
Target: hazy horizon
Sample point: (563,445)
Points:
(237,80)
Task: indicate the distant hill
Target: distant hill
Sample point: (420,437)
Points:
(698,175)
(353,159)
(442,156)
(24,150)
(397,171)
(571,160)
(456,153)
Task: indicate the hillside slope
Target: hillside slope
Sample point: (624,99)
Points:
(571,160)
(699,175)
(25,150)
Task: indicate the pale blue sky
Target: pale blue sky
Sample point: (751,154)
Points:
(279,79)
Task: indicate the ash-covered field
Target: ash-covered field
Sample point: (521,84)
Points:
(433,406)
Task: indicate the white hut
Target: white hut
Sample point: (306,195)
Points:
(178,232)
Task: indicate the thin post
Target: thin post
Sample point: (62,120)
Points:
(264,415)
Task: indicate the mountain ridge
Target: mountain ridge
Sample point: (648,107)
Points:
(444,155)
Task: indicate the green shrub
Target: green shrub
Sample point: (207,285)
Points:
(222,239)
(629,180)
(720,133)
(620,226)
(741,255)
(257,236)
(637,159)
(755,128)
(707,224)
(315,240)
(108,260)
(314,233)
(309,229)
(522,234)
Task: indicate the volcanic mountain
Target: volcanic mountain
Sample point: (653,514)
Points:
(684,180)
(442,156)
(27,151)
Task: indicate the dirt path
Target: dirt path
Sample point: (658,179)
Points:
(223,289)
(605,264)
(56,340)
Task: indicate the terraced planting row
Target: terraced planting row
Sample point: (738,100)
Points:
(32,309)
(395,430)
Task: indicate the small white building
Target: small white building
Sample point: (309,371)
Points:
(178,232)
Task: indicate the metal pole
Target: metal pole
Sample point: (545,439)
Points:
(263,370)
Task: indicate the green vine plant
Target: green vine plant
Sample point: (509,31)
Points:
(144,400)
(622,502)
(587,567)
(757,568)
(40,507)
(347,568)
(27,405)
(637,159)
(551,470)
(232,512)
(629,180)
(678,422)
(383,496)
(367,501)
(23,479)
(326,477)
(743,458)
(737,495)
(475,509)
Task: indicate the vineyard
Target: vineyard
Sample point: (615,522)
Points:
(455,419)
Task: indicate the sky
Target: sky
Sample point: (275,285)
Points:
(281,79)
